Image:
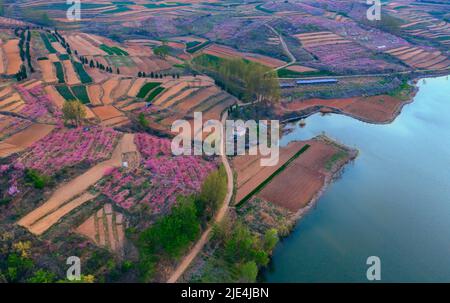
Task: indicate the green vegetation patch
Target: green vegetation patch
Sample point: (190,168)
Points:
(47,44)
(403,91)
(81,93)
(198,47)
(118,9)
(262,9)
(286,73)
(59,72)
(82,74)
(191,44)
(64,57)
(276,173)
(146,88)
(335,158)
(154,93)
(113,50)
(120,61)
(65,92)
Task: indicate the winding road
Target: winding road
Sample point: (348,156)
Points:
(187,260)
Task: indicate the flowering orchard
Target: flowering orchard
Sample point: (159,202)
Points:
(38,105)
(68,147)
(159,180)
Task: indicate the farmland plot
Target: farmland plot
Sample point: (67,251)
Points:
(105,227)
(11,50)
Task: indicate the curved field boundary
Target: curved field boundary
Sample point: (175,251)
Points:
(121,90)
(154,93)
(178,97)
(108,88)
(147,88)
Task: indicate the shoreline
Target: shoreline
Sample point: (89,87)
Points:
(336,172)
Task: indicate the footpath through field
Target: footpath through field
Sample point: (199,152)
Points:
(285,47)
(34,221)
(187,260)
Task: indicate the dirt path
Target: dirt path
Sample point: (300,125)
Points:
(77,186)
(285,47)
(187,260)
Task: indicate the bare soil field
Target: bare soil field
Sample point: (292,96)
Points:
(106,112)
(24,139)
(420,58)
(56,98)
(110,116)
(122,88)
(108,87)
(11,50)
(2,59)
(250,173)
(304,179)
(197,98)
(301,69)
(12,103)
(320,38)
(105,228)
(69,72)
(10,125)
(44,223)
(47,70)
(136,86)
(376,109)
(95,94)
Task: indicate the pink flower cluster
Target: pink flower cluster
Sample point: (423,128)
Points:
(12,173)
(350,57)
(38,105)
(163,178)
(68,147)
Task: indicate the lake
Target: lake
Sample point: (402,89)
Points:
(393,201)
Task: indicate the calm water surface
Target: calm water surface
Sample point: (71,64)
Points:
(392,202)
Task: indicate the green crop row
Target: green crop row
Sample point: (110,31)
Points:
(82,74)
(146,88)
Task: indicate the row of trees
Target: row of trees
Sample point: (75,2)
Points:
(173,234)
(250,81)
(156,75)
(22,74)
(96,64)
